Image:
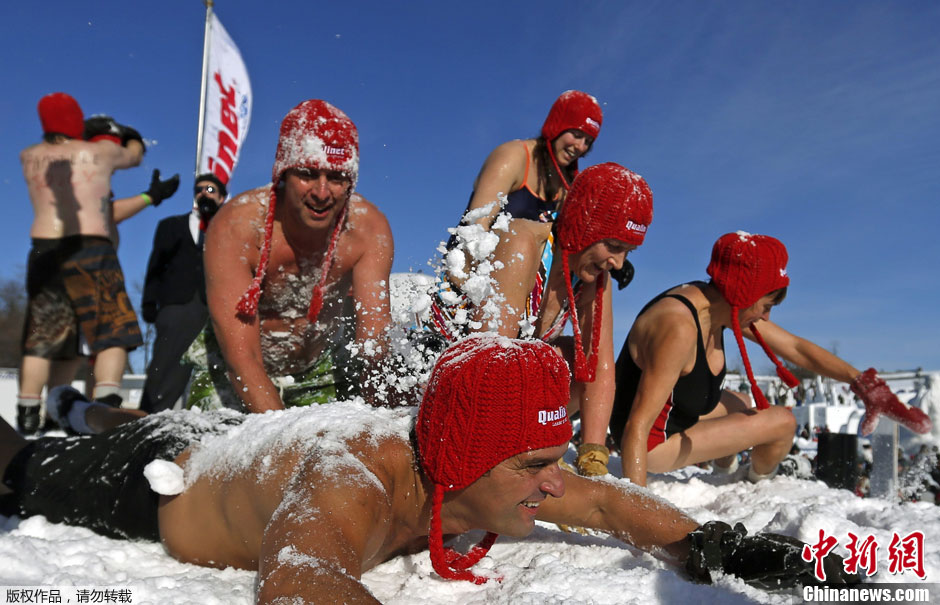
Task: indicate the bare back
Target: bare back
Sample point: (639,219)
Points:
(252,512)
(70,186)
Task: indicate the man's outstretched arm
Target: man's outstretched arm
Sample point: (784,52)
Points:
(230,253)
(315,544)
(631,513)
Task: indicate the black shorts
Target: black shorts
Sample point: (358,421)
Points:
(97,481)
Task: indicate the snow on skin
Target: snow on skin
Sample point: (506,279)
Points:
(548,566)
(297,429)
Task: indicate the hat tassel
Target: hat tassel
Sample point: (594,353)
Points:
(448,563)
(785,375)
(248,304)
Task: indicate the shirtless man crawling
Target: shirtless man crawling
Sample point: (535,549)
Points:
(286,264)
(314,498)
(74,282)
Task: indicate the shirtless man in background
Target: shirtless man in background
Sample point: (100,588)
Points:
(74,282)
(286,265)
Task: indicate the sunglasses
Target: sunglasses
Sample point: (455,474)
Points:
(207,188)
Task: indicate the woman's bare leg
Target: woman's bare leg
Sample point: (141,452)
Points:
(729,429)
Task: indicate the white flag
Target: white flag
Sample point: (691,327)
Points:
(228,105)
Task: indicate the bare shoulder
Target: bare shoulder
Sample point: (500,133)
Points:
(668,321)
(30,152)
(510,153)
(366,221)
(503,171)
(244,212)
(508,159)
(364,479)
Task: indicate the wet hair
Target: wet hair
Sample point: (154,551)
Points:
(54,137)
(549,182)
(778,295)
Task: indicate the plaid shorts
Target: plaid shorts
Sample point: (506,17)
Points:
(76,287)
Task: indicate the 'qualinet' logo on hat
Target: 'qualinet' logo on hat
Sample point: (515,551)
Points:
(556,417)
(631,226)
(334,150)
(592,122)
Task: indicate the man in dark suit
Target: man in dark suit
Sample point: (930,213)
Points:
(175,293)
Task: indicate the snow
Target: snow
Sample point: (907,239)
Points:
(165,477)
(549,566)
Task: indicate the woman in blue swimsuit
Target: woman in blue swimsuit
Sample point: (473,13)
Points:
(605,216)
(528,178)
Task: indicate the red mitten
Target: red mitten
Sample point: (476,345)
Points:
(879,399)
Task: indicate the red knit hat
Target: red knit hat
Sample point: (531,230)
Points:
(573,109)
(314,134)
(59,113)
(489,398)
(744,268)
(606,201)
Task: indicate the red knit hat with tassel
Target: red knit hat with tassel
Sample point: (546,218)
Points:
(489,398)
(744,268)
(314,135)
(606,201)
(573,109)
(59,113)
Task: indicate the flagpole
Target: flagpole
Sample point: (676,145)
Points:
(205,83)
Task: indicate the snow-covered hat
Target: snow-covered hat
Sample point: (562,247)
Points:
(488,398)
(744,268)
(317,135)
(59,113)
(606,201)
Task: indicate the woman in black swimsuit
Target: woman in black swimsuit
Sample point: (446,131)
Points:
(670,410)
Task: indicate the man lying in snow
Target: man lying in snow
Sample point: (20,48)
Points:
(312,498)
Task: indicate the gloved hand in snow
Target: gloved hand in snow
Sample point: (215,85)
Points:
(767,561)
(879,400)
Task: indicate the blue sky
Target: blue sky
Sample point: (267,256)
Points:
(815,122)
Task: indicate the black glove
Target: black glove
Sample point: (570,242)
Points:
(624,275)
(129,134)
(160,190)
(768,561)
(149,312)
(102,126)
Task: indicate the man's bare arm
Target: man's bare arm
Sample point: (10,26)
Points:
(230,254)
(629,512)
(370,276)
(127,207)
(317,541)
(121,156)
